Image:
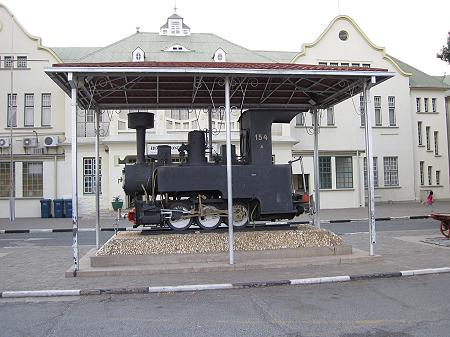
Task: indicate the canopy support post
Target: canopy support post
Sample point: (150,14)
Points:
(369,161)
(74,91)
(97,178)
(229,173)
(316,220)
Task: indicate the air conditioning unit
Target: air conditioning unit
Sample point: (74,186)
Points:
(4,142)
(51,141)
(30,142)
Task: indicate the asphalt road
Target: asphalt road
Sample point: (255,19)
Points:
(88,238)
(397,307)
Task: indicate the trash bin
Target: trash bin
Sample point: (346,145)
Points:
(58,208)
(68,208)
(46,208)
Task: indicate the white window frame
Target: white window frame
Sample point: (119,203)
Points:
(325,176)
(425,104)
(422,173)
(344,172)
(433,105)
(32,179)
(22,62)
(300,119)
(430,175)
(8,62)
(28,110)
(436,143)
(330,116)
(419,133)
(377,106)
(418,104)
(391,107)
(46,109)
(390,165)
(11,114)
(427,136)
(89,173)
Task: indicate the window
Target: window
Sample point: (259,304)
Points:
(89,175)
(355,64)
(334,63)
(362,110)
(344,172)
(433,104)
(12,110)
(419,132)
(377,105)
(325,172)
(180,114)
(28,119)
(438,177)
(323,63)
(330,116)
(300,119)
(430,178)
(46,109)
(21,61)
(345,64)
(5,180)
(436,143)
(425,104)
(418,105)
(422,173)
(8,62)
(32,179)
(391,106)
(427,136)
(366,65)
(375,172)
(390,171)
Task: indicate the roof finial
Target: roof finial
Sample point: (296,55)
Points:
(175,7)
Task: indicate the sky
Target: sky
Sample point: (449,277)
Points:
(412,31)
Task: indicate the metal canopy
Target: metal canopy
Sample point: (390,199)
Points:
(164,85)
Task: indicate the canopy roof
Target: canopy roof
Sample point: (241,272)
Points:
(163,85)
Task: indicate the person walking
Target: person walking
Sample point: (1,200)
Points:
(429,200)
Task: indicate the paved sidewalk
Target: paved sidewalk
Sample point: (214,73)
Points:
(382,210)
(25,266)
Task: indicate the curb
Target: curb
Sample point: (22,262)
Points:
(219,286)
(122,229)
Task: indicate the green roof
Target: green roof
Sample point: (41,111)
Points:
(419,79)
(201,49)
(72,54)
(278,56)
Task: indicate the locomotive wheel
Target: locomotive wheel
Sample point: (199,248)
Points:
(240,216)
(179,224)
(445,230)
(210,220)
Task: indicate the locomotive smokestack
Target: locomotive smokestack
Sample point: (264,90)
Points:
(140,121)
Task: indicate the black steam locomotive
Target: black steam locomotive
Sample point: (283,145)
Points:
(195,190)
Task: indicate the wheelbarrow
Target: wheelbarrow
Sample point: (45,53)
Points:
(445,223)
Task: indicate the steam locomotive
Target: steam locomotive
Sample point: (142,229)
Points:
(195,190)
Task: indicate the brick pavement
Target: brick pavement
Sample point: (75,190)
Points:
(30,267)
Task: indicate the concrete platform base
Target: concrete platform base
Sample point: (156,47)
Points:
(95,266)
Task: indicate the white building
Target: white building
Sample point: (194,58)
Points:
(410,134)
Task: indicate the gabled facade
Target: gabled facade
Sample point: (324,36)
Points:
(399,156)
(34,107)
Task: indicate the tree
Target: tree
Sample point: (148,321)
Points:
(444,55)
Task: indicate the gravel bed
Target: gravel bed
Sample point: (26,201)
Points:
(134,243)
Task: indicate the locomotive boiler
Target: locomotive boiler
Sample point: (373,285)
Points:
(195,190)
